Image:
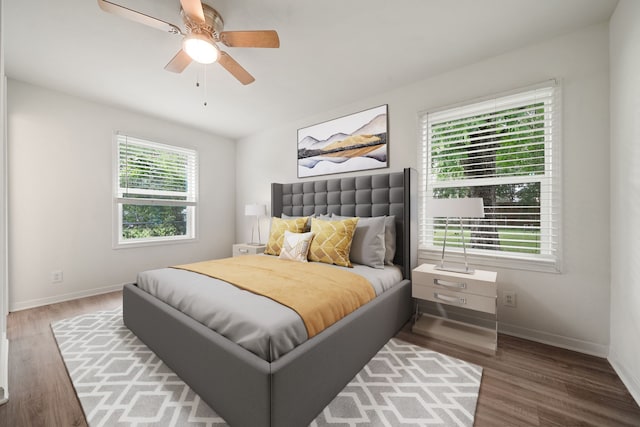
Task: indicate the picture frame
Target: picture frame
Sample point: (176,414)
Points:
(351,143)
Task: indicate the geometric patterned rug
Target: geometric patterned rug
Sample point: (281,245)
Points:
(120,382)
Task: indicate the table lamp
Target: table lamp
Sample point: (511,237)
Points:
(468,207)
(257,211)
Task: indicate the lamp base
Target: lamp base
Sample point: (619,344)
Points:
(254,244)
(462,270)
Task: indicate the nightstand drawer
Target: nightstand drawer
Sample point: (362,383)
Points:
(460,299)
(237,251)
(455,282)
(240,249)
(476,290)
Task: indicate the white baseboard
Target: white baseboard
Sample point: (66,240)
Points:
(567,343)
(4,369)
(24,305)
(630,381)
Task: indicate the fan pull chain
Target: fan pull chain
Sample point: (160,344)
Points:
(205,84)
(204,69)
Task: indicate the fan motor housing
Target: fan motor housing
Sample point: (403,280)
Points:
(213,23)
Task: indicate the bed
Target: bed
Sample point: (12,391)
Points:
(247,390)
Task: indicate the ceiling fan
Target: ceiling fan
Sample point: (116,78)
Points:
(203,30)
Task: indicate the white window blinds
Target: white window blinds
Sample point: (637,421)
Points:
(156,172)
(156,190)
(505,150)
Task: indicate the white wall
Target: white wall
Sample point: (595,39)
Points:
(568,309)
(60,196)
(4,343)
(625,193)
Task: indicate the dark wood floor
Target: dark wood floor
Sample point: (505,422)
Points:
(40,391)
(531,384)
(524,384)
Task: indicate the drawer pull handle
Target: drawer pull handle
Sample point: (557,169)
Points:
(448,284)
(447,298)
(243,251)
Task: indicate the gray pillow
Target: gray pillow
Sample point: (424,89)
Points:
(389,239)
(367,246)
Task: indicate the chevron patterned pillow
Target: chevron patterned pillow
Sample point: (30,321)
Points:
(295,246)
(278,227)
(331,242)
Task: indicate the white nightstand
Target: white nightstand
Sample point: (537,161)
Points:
(477,291)
(247,249)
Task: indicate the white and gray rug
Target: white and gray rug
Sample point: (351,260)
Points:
(120,382)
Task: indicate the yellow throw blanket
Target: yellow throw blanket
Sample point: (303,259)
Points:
(320,294)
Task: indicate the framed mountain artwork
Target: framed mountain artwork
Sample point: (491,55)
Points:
(347,144)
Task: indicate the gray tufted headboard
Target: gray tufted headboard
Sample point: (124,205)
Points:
(364,196)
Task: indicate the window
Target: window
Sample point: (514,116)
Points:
(156,192)
(506,151)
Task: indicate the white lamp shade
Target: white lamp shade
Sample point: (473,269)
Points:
(255,210)
(468,207)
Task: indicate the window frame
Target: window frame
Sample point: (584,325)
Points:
(550,203)
(118,242)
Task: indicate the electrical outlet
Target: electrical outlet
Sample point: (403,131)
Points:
(509,298)
(56,276)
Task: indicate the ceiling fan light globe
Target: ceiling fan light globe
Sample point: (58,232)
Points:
(200,49)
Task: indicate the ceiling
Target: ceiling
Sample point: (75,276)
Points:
(331,53)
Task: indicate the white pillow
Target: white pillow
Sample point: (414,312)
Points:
(295,246)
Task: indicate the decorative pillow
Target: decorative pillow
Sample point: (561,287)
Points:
(307,226)
(295,246)
(332,241)
(368,247)
(278,227)
(389,239)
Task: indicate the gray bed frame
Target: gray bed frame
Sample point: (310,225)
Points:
(248,391)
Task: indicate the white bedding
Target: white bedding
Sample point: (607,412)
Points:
(259,324)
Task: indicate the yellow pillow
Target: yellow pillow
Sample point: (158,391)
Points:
(331,242)
(276,236)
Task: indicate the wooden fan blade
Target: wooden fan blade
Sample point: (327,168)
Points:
(193,9)
(179,62)
(135,16)
(267,38)
(235,69)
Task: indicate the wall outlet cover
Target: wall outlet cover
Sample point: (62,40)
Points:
(509,299)
(56,276)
